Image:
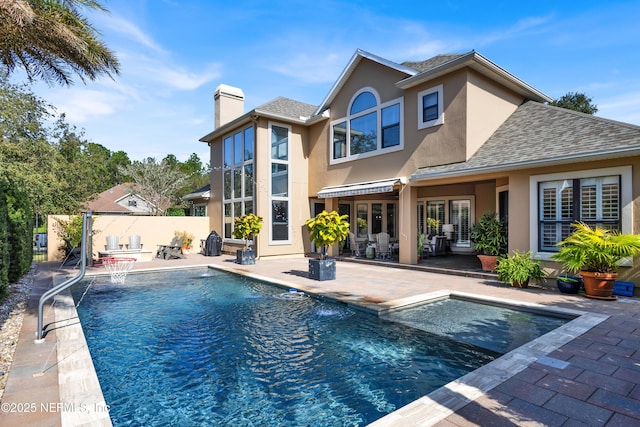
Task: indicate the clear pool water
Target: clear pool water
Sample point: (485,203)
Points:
(210,348)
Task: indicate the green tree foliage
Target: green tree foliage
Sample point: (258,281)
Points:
(16,233)
(51,40)
(577,102)
(20,236)
(4,239)
(55,163)
(156,182)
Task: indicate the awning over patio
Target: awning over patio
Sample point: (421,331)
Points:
(371,187)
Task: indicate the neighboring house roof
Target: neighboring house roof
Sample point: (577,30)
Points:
(200,193)
(111,201)
(543,135)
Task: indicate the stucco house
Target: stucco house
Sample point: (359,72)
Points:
(392,144)
(197,200)
(119,200)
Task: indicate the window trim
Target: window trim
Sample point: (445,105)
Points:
(273,198)
(422,124)
(349,117)
(626,200)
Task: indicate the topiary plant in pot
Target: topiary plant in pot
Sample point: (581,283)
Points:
(595,253)
(327,228)
(246,228)
(519,269)
(489,237)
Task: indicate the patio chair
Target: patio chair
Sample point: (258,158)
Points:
(382,245)
(112,243)
(436,246)
(356,249)
(134,242)
(73,256)
(172,250)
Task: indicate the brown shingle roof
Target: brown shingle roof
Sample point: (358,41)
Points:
(106,201)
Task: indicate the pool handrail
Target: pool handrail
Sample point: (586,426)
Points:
(86,219)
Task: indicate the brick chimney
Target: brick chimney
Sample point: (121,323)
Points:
(228,104)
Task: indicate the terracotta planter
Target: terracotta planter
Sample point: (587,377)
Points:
(599,285)
(488,262)
(524,284)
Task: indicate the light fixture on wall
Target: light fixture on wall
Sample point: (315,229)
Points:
(448,229)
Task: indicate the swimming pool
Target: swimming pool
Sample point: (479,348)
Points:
(211,348)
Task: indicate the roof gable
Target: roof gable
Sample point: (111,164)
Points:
(112,200)
(358,56)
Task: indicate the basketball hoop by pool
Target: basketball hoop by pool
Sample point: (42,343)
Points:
(118,267)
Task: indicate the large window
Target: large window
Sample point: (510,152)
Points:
(237,177)
(456,211)
(370,128)
(375,217)
(595,201)
(279,191)
(430,107)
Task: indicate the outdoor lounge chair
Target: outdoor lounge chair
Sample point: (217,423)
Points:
(113,243)
(382,245)
(172,250)
(356,249)
(73,256)
(436,246)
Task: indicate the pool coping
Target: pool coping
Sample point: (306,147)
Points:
(80,389)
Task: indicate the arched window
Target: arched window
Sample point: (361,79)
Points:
(369,128)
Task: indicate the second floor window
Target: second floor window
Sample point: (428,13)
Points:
(370,128)
(430,108)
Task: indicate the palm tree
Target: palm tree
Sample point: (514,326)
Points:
(50,40)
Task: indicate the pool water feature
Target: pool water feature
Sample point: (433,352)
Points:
(212,348)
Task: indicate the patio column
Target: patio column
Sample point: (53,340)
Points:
(408,227)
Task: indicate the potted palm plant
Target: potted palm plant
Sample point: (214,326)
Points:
(519,269)
(246,228)
(489,237)
(326,229)
(596,253)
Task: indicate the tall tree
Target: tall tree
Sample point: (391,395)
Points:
(51,40)
(577,102)
(157,183)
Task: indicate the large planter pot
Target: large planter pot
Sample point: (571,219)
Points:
(524,284)
(569,284)
(599,285)
(322,269)
(488,262)
(246,257)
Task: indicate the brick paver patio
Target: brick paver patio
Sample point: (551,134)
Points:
(593,380)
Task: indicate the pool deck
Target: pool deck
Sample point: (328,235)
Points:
(587,374)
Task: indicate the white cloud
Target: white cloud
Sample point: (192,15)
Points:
(130,31)
(83,105)
(310,68)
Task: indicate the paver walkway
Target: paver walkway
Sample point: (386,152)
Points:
(592,380)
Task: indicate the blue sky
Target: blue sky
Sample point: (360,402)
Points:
(174,53)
